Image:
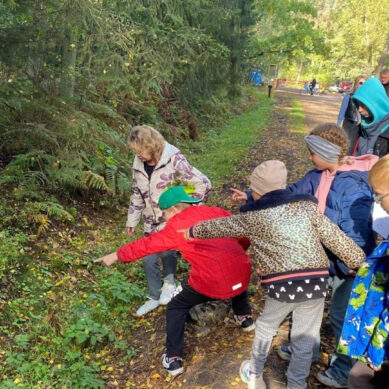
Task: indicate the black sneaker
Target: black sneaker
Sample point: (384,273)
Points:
(246,322)
(173,365)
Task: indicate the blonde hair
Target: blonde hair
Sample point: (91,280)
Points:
(333,134)
(379,174)
(146,138)
(356,83)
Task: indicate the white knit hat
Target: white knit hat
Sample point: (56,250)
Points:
(268,176)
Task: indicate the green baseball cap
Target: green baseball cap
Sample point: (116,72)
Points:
(173,196)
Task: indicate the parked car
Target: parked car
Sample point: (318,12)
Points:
(333,88)
(345,86)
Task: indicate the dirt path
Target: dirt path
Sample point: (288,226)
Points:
(213,360)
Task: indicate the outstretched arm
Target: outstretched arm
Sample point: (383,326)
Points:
(163,240)
(225,227)
(338,242)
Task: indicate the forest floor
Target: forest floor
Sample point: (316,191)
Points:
(213,354)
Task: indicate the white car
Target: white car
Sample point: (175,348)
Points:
(333,88)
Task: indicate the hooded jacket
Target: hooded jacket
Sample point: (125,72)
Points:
(348,203)
(220,268)
(365,334)
(374,138)
(146,191)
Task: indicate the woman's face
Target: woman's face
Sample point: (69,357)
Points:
(143,155)
(360,82)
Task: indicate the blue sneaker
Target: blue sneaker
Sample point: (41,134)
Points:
(252,380)
(325,378)
(285,353)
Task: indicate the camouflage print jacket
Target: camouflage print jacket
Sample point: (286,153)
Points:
(145,192)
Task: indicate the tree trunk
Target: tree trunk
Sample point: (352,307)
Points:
(69,55)
(384,56)
(299,72)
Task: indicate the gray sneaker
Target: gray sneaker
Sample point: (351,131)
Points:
(253,381)
(325,378)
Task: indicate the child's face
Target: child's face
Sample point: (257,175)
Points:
(363,110)
(169,213)
(381,196)
(319,162)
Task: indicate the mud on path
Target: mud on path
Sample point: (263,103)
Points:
(213,357)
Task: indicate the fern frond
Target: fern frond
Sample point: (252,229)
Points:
(95,181)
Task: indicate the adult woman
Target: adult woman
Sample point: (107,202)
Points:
(349,117)
(157,164)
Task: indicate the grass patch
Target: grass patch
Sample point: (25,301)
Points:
(218,153)
(297,116)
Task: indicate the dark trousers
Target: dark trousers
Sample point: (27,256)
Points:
(178,310)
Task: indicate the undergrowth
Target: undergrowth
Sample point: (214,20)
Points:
(67,323)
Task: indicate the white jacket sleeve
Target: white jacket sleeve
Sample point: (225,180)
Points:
(137,205)
(186,172)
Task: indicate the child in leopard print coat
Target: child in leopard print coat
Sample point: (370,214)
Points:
(286,231)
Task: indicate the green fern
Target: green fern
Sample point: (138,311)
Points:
(96,181)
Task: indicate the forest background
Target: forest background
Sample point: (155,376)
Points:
(74,75)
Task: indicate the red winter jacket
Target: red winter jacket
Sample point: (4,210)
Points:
(220,268)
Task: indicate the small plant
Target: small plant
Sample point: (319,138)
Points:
(87,332)
(12,254)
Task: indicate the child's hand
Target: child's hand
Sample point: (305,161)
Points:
(238,195)
(108,260)
(186,234)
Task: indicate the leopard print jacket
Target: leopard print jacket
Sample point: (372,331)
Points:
(286,238)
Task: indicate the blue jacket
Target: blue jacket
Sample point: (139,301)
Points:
(348,205)
(365,334)
(346,111)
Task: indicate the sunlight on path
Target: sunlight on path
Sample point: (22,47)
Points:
(318,109)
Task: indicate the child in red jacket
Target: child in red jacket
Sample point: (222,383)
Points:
(220,268)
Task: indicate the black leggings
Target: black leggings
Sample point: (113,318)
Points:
(178,310)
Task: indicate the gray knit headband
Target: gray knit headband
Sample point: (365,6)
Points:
(323,148)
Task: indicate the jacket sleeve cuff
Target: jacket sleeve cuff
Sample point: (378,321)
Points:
(249,194)
(122,255)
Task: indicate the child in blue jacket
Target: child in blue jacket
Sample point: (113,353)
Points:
(345,197)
